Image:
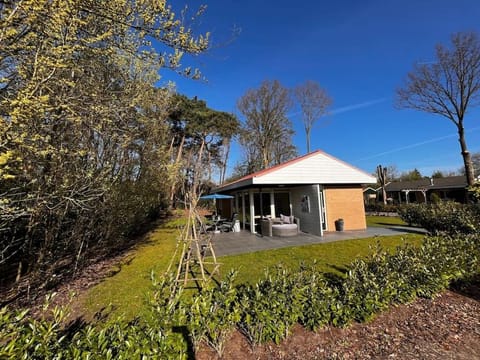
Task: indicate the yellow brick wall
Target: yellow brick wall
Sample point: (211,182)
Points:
(346,203)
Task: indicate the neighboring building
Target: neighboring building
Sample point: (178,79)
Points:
(316,188)
(452,188)
(370,195)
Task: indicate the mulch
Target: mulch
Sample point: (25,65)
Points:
(447,327)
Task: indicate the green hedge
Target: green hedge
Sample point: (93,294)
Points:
(263,312)
(444,217)
(381,207)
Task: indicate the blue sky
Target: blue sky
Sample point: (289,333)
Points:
(359,51)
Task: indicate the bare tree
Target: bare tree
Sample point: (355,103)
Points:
(476,163)
(314,102)
(266,122)
(382,179)
(448,87)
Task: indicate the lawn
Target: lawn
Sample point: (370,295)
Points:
(128,286)
(382,221)
(331,257)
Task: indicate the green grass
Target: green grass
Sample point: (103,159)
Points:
(126,289)
(128,286)
(382,221)
(331,257)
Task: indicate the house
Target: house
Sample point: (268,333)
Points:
(421,191)
(370,194)
(317,188)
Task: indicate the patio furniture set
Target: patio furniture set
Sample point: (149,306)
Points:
(219,224)
(282,226)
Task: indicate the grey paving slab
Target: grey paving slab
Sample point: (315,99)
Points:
(231,243)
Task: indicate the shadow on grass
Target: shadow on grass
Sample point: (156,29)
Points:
(183,331)
(338,276)
(402,228)
(469,287)
(195,281)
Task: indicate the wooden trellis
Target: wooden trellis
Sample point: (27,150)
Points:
(193,244)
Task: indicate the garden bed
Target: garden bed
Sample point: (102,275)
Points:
(447,327)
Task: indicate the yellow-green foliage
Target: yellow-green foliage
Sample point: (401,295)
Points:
(83,132)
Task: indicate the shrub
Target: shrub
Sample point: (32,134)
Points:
(263,312)
(448,217)
(271,307)
(384,279)
(381,207)
(213,314)
(320,300)
(23,337)
(367,288)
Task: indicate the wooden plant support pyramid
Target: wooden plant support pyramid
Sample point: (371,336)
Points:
(194,243)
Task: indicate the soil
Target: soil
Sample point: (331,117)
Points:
(446,327)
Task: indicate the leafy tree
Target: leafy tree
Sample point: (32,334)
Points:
(194,125)
(83,131)
(438,174)
(266,133)
(448,87)
(411,175)
(314,102)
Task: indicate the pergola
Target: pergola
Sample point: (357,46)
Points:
(407,191)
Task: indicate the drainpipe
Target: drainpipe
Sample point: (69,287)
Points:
(320,207)
(252,211)
(272,204)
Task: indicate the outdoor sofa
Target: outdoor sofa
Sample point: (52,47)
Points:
(282,226)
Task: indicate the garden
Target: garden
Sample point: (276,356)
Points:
(260,299)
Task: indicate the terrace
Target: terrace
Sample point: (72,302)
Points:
(234,243)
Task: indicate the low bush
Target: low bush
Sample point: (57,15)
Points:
(23,337)
(381,207)
(320,301)
(443,217)
(271,307)
(213,314)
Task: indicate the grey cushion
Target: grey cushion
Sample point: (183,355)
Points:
(284,229)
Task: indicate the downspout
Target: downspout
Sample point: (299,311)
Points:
(272,204)
(244,218)
(252,211)
(320,207)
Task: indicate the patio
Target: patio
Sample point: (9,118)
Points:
(233,243)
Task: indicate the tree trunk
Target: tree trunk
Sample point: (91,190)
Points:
(307,133)
(225,160)
(173,186)
(467,159)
